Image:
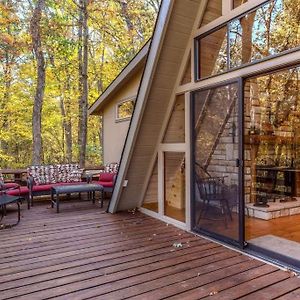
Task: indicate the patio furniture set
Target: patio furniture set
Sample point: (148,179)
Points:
(55,180)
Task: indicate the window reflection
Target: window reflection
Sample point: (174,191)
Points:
(237,3)
(213,53)
(215,152)
(272,161)
(269,30)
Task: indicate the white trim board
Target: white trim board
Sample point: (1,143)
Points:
(163,218)
(156,44)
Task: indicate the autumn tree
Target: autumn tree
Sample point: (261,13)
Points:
(51,71)
(35,30)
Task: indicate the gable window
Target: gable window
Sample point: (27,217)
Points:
(124,109)
(269,30)
(237,3)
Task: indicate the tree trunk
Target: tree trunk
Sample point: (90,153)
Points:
(35,30)
(247,24)
(7,70)
(125,15)
(67,129)
(83,33)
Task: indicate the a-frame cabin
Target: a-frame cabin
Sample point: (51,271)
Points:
(214,141)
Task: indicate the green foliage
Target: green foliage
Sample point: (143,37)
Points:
(117,30)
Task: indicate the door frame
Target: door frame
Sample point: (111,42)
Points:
(240,243)
(168,147)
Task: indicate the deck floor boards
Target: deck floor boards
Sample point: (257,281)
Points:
(85,253)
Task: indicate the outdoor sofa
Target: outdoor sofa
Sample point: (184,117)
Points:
(41,178)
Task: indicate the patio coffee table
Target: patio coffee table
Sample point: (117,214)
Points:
(89,188)
(8,199)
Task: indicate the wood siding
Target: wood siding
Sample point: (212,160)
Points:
(152,189)
(166,73)
(213,11)
(175,132)
(187,73)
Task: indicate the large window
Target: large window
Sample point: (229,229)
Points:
(271,29)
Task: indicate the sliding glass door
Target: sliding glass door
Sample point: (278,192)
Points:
(272,163)
(217,209)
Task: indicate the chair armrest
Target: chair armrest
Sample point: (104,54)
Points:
(4,189)
(30,182)
(89,178)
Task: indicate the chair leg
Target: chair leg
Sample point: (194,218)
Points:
(2,212)
(102,197)
(224,209)
(228,210)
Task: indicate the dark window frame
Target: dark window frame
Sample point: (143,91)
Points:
(197,74)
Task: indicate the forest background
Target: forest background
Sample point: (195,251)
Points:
(56,58)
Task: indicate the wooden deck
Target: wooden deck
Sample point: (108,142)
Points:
(84,253)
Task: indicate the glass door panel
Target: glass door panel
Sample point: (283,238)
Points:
(174,185)
(272,162)
(216,207)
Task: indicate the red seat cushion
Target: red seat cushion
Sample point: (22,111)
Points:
(23,190)
(106,177)
(10,185)
(42,187)
(104,183)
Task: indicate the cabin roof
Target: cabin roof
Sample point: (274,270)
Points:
(175,23)
(124,76)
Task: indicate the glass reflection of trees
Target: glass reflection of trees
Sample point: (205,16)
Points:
(125,109)
(269,30)
(279,111)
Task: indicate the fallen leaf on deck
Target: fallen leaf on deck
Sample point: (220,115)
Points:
(213,293)
(291,272)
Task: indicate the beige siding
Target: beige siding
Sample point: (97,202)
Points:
(114,133)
